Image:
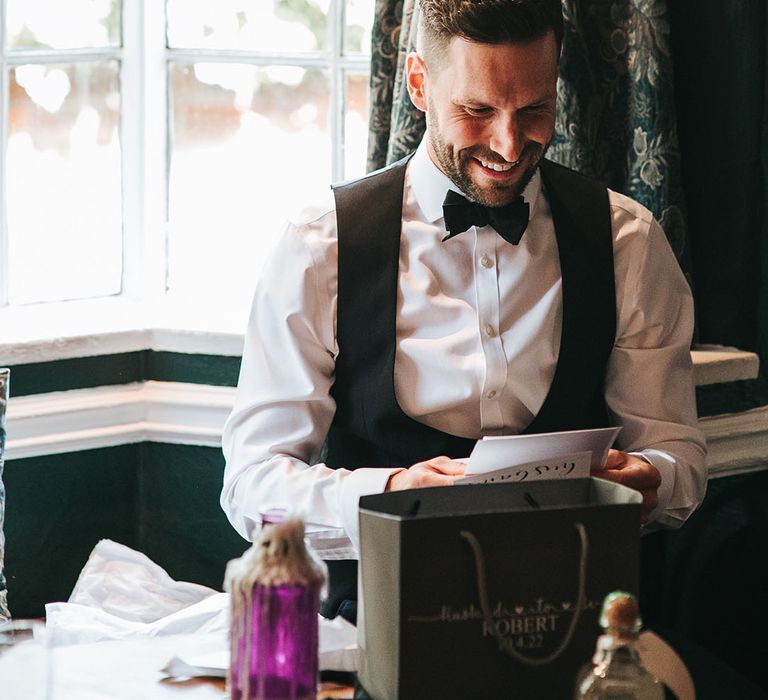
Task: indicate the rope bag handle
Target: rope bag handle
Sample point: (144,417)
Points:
(482,591)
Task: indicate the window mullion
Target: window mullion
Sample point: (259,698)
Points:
(336,121)
(143,140)
(156,120)
(131,134)
(256,58)
(49,56)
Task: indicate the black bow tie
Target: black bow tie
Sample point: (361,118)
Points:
(510,221)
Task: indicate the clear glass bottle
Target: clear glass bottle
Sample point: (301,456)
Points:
(616,671)
(275,590)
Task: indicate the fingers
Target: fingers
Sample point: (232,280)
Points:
(614,459)
(419,479)
(641,478)
(623,477)
(650,501)
(442,465)
(439,471)
(635,473)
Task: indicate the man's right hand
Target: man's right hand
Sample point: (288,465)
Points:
(438,471)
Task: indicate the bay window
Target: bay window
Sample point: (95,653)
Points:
(151,151)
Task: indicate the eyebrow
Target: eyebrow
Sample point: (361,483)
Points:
(468,101)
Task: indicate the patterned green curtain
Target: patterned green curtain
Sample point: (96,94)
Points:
(396,126)
(616,112)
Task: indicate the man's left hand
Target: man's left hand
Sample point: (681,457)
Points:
(636,473)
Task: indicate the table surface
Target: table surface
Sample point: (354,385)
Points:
(129,669)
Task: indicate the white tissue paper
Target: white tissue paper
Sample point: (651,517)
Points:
(127,583)
(121,593)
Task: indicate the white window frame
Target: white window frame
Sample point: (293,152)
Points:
(145,141)
(133,155)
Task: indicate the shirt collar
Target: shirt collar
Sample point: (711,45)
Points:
(430,185)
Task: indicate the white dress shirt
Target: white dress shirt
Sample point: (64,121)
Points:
(478,332)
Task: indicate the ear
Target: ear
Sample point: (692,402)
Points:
(416,70)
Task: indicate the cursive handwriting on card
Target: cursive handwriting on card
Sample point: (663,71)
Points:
(575,466)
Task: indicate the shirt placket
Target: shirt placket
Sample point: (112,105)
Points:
(487,290)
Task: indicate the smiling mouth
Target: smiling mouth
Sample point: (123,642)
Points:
(498,167)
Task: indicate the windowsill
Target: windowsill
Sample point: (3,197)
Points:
(718,364)
(49,332)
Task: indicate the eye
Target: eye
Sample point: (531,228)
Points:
(477,111)
(535,109)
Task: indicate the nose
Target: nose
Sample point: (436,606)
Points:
(506,139)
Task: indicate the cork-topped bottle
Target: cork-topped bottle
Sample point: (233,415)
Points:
(275,590)
(616,671)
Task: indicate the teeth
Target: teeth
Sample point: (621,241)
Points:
(498,167)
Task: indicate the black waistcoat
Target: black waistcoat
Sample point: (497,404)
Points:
(369,428)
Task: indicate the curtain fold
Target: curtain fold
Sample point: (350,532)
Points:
(616,115)
(616,118)
(396,126)
(720,53)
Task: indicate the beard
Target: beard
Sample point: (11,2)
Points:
(458,165)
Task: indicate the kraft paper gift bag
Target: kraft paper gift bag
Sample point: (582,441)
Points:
(490,591)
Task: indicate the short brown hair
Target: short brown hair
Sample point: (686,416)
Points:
(487,21)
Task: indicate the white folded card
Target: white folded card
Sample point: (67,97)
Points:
(574,466)
(552,452)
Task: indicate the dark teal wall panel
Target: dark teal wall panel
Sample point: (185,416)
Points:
(182,525)
(162,500)
(76,373)
(216,370)
(57,508)
(733,397)
(123,368)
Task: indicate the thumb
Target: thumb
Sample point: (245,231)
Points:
(452,467)
(614,460)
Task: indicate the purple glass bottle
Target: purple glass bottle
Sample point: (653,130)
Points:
(275,592)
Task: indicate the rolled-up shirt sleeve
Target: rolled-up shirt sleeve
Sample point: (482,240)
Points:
(283,408)
(649,383)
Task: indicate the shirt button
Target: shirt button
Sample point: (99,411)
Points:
(491,394)
(490,331)
(486,262)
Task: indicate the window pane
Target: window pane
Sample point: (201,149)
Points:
(256,25)
(35,24)
(247,144)
(63,182)
(359,23)
(355,124)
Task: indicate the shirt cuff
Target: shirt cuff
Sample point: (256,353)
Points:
(360,482)
(666,464)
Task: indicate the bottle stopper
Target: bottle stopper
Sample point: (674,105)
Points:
(621,614)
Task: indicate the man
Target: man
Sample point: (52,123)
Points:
(402,348)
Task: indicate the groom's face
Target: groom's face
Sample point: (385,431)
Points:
(490,112)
